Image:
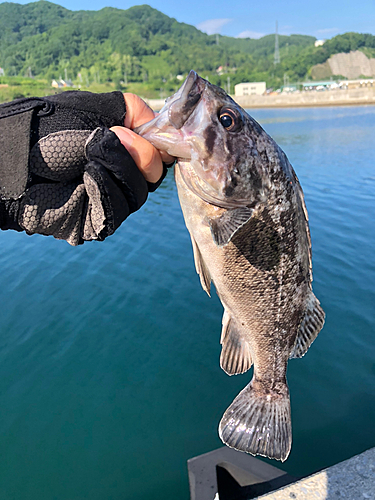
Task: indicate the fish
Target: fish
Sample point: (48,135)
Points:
(244,208)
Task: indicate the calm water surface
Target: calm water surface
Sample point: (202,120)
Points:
(109,353)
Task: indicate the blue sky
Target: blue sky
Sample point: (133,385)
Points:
(320,18)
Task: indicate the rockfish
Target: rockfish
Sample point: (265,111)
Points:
(244,208)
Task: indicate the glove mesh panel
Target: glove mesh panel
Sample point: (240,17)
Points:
(60,156)
(54,209)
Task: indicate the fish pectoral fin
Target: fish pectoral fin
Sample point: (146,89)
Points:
(311,325)
(201,268)
(259,423)
(235,355)
(223,228)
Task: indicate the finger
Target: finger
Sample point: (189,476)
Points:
(146,157)
(166,157)
(137,111)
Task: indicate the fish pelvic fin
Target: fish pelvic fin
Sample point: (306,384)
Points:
(311,325)
(201,268)
(235,355)
(223,228)
(259,423)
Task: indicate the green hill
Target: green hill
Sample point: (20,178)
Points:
(141,48)
(137,45)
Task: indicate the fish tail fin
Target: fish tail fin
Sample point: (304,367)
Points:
(259,422)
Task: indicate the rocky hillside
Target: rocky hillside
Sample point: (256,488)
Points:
(352,65)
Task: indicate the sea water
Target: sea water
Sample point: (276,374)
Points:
(109,352)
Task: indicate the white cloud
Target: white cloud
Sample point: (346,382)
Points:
(212,26)
(250,34)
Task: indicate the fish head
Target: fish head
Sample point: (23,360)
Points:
(220,148)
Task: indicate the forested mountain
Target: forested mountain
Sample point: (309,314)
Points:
(143,45)
(138,44)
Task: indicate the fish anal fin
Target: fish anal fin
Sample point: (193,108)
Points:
(201,268)
(235,355)
(259,423)
(223,228)
(310,326)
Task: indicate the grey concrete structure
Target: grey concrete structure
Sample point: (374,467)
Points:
(337,97)
(234,474)
(353,479)
(226,474)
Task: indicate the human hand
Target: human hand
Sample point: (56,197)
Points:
(147,158)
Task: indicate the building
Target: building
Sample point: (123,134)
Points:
(319,43)
(250,88)
(58,84)
(357,84)
(318,85)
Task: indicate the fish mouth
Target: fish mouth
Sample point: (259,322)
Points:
(186,100)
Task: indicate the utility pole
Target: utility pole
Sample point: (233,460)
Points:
(228,84)
(276,59)
(66,74)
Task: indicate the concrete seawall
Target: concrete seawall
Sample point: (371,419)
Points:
(353,479)
(353,97)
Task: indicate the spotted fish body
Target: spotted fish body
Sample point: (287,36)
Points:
(245,212)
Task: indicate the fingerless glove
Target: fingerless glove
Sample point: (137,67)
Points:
(62,171)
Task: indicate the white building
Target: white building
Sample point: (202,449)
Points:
(250,88)
(319,43)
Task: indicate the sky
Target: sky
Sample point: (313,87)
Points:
(239,18)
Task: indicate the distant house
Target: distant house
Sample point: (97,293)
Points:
(2,72)
(319,43)
(250,88)
(326,85)
(356,84)
(58,84)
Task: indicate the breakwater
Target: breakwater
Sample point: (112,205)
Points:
(340,97)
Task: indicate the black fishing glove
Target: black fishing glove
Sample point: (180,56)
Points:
(62,172)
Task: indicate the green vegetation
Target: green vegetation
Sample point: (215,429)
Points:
(141,50)
(14,87)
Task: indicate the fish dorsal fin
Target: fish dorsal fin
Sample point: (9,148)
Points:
(223,228)
(311,325)
(235,355)
(201,268)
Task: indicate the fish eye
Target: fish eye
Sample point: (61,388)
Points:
(228,118)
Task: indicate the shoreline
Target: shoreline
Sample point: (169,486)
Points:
(349,97)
